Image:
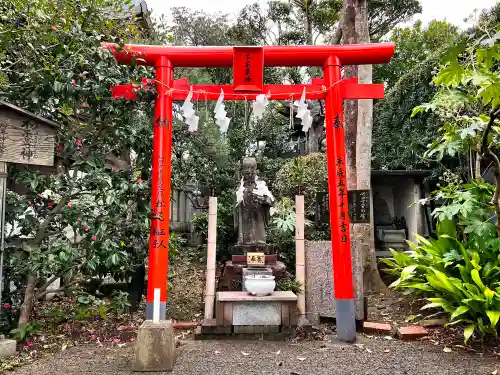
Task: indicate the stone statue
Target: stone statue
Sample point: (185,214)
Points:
(254,201)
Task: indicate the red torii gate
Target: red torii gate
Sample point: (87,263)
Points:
(248,68)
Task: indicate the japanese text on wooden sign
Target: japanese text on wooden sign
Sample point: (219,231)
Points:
(358,202)
(25,142)
(256,259)
(359,206)
(248,68)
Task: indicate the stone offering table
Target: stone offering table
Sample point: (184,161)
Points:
(250,314)
(241,315)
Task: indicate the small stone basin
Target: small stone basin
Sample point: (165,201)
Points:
(260,285)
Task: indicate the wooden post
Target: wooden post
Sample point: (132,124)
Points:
(211,252)
(300,273)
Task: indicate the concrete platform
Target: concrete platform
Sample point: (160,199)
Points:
(239,314)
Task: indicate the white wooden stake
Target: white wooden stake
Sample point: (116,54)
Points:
(156,305)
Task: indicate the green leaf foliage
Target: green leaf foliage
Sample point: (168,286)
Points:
(305,175)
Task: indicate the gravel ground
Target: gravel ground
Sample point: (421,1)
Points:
(375,356)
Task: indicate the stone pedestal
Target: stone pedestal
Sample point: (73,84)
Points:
(319,280)
(391,239)
(155,347)
(7,347)
(265,248)
(250,314)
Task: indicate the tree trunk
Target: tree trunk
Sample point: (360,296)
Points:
(350,36)
(358,127)
(29,300)
(364,233)
(314,138)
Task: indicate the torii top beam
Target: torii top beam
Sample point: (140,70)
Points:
(200,57)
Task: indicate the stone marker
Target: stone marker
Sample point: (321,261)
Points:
(7,347)
(155,347)
(319,280)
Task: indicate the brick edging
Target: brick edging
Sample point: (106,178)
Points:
(185,325)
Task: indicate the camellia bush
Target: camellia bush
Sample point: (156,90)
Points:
(89,216)
(459,272)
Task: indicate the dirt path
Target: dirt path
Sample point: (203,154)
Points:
(376,356)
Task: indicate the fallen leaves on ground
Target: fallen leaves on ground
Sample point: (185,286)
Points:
(115,330)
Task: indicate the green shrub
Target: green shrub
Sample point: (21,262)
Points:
(200,225)
(281,232)
(287,284)
(22,333)
(119,302)
(305,175)
(460,277)
(282,229)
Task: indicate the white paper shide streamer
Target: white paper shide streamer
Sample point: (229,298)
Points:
(220,114)
(303,113)
(188,113)
(260,189)
(259,105)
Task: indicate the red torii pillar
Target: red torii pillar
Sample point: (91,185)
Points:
(248,83)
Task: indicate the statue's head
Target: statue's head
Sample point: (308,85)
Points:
(249,170)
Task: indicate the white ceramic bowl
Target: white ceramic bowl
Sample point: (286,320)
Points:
(260,285)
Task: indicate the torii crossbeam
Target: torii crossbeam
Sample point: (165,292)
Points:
(248,68)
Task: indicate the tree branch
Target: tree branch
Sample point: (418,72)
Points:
(484,139)
(47,291)
(495,200)
(48,282)
(40,235)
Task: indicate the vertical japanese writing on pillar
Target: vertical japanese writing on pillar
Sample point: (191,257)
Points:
(159,204)
(161,122)
(341,188)
(248,69)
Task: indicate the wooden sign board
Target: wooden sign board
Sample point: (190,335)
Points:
(248,69)
(322,214)
(359,206)
(24,139)
(358,203)
(256,259)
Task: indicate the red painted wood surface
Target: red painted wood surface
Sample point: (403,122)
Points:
(337,185)
(161,181)
(349,89)
(248,68)
(222,56)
